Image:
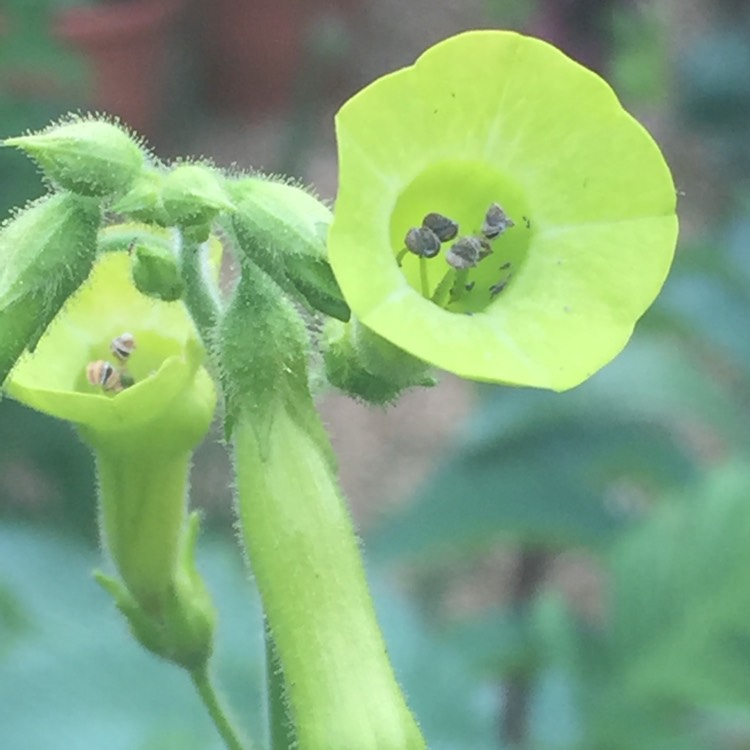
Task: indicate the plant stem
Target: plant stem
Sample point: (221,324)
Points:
(281,734)
(517,690)
(218,715)
(341,692)
(425,282)
(201,296)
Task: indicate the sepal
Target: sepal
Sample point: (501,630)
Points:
(143,201)
(155,268)
(263,351)
(283,229)
(47,251)
(367,367)
(180,626)
(193,195)
(89,157)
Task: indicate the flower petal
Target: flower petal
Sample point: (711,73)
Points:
(489,117)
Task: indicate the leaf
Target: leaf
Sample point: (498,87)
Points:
(682,599)
(78,665)
(76,662)
(679,640)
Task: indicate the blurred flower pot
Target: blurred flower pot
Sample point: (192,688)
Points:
(256,49)
(126,44)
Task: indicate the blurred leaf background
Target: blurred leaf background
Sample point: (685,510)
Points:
(563,572)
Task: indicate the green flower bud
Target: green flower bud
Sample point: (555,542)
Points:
(193,195)
(86,156)
(46,253)
(156,269)
(283,229)
(143,202)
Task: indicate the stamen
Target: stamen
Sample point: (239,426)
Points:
(465,253)
(424,281)
(440,295)
(444,228)
(423,242)
(496,222)
(460,287)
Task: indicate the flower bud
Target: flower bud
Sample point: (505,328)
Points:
(283,229)
(46,252)
(156,269)
(143,202)
(193,195)
(86,156)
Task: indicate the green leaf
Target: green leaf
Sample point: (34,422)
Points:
(573,468)
(681,597)
(98,688)
(678,643)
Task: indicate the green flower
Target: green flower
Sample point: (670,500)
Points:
(168,384)
(143,410)
(564,204)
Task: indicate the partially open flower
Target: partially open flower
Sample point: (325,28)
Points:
(565,210)
(163,373)
(126,370)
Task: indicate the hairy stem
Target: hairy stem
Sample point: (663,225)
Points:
(281,734)
(201,295)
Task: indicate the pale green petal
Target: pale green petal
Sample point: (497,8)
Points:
(492,116)
(166,361)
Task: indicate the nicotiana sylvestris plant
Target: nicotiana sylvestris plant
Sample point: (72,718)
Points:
(499,216)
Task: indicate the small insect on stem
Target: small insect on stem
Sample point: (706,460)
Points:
(496,221)
(123,346)
(104,374)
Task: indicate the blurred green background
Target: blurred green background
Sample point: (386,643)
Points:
(552,572)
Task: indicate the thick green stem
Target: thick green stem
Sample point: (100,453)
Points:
(218,715)
(341,690)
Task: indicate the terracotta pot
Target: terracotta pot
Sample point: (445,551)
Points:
(254,50)
(127,46)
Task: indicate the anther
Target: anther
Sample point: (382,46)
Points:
(495,222)
(444,228)
(464,253)
(423,242)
